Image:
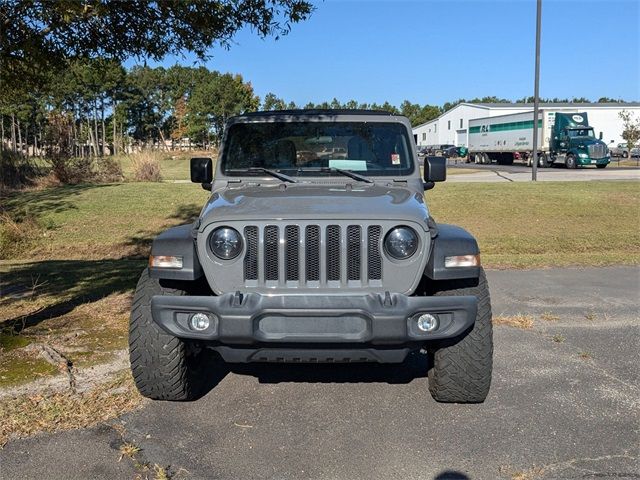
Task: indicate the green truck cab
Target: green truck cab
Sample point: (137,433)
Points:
(575,141)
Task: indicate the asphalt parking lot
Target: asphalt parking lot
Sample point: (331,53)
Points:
(519,168)
(564,404)
(521,173)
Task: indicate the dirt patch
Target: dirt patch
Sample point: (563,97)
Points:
(85,378)
(46,334)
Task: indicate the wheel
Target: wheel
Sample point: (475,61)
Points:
(477,158)
(625,154)
(485,159)
(570,161)
(601,166)
(164,367)
(529,161)
(542,161)
(461,369)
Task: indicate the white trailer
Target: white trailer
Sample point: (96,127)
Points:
(563,137)
(506,138)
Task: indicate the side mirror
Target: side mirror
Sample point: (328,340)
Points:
(201,170)
(435,170)
(600,136)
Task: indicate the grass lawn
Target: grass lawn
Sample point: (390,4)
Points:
(624,162)
(550,224)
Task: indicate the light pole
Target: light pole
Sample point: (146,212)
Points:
(536,94)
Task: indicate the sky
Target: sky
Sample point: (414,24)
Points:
(430,52)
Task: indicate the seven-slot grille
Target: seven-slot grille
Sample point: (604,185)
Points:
(313,255)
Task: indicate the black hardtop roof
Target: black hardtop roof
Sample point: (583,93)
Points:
(318,111)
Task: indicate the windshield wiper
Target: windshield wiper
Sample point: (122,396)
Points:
(273,173)
(346,173)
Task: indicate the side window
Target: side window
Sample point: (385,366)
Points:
(460,123)
(424,136)
(449,125)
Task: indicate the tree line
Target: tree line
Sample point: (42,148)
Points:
(97,107)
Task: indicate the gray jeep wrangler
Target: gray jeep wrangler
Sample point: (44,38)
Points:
(316,245)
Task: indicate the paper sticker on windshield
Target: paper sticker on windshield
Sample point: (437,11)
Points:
(395,159)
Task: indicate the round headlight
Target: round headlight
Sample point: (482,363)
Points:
(225,243)
(401,242)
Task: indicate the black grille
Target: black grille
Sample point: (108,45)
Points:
(353,252)
(292,263)
(333,252)
(375,259)
(312,246)
(271,253)
(324,253)
(251,257)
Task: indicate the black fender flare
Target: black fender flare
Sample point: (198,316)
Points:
(451,240)
(177,241)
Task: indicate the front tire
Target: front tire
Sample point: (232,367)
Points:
(163,366)
(570,161)
(461,370)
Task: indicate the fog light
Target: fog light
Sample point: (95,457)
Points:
(199,321)
(427,322)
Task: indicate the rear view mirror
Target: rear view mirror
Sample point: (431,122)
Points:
(201,170)
(435,169)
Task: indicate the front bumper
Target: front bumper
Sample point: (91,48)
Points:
(271,320)
(583,161)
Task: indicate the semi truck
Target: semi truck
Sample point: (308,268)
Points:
(563,138)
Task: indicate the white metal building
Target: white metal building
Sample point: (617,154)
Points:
(451,127)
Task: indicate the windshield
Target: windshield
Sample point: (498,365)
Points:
(581,132)
(302,148)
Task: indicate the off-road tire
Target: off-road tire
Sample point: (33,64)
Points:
(571,161)
(461,368)
(163,366)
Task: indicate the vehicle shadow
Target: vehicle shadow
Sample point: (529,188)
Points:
(415,366)
(451,475)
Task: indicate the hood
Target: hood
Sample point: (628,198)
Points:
(313,201)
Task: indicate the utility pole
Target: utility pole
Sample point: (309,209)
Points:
(536,95)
